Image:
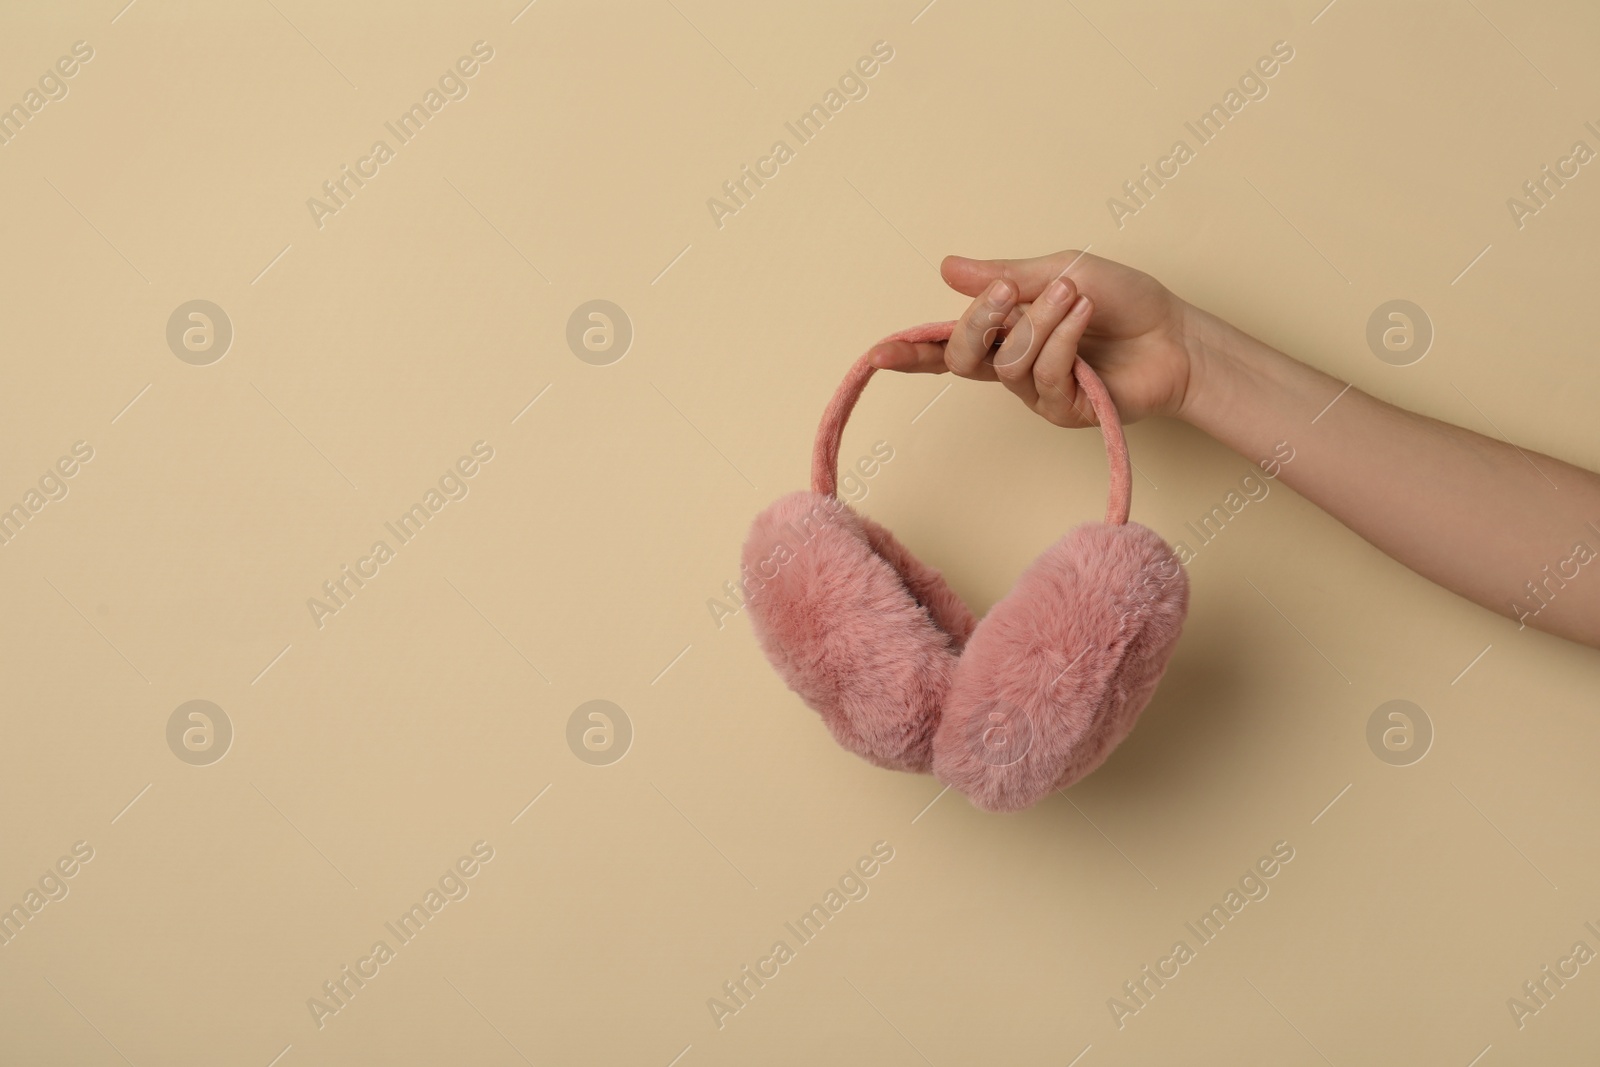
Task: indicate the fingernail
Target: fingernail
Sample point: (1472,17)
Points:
(999,294)
(1058,291)
(882,358)
(1082,307)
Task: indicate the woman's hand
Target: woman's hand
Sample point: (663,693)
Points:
(1051,310)
(1414,487)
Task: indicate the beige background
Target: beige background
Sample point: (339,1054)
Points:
(425,716)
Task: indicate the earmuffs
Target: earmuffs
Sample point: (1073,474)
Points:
(1027,700)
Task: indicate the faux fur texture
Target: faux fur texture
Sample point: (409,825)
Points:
(1007,709)
(867,635)
(1057,672)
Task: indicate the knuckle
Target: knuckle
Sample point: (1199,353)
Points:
(1049,379)
(1013,369)
(1012,359)
(959,366)
(983,326)
(1055,414)
(962,362)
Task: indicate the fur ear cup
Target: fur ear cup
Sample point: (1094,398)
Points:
(854,623)
(1054,676)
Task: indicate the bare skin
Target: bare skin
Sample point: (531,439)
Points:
(1514,531)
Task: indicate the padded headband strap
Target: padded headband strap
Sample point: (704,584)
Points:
(825,456)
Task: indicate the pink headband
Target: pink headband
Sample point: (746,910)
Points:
(825,454)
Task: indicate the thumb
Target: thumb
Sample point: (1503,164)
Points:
(973,276)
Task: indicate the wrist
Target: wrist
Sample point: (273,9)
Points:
(1244,392)
(1211,346)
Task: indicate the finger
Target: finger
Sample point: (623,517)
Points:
(977,330)
(1060,400)
(1013,363)
(1030,276)
(922,358)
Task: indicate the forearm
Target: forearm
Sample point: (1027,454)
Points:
(1496,525)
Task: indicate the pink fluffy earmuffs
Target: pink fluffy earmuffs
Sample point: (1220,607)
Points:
(1027,700)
